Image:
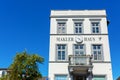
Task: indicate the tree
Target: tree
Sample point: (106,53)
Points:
(4,77)
(25,67)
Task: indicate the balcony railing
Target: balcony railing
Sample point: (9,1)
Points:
(80,60)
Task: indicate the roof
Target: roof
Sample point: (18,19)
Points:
(3,68)
(78,13)
(118,78)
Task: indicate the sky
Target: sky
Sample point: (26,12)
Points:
(25,24)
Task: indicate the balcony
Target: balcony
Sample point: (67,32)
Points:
(80,64)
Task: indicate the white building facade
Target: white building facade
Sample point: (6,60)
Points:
(79,45)
(3,72)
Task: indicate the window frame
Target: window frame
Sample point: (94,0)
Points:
(3,73)
(95,27)
(82,27)
(61,21)
(61,53)
(102,54)
(100,76)
(84,49)
(60,75)
(61,31)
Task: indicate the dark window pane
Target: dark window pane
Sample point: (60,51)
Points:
(94,47)
(63,52)
(93,24)
(63,28)
(81,52)
(63,46)
(59,53)
(59,47)
(97,29)
(95,52)
(93,30)
(95,57)
(97,24)
(76,46)
(76,30)
(80,24)
(80,30)
(76,52)
(81,46)
(99,52)
(98,47)
(76,24)
(63,55)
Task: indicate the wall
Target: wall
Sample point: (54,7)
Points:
(100,68)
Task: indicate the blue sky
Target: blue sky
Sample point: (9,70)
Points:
(25,24)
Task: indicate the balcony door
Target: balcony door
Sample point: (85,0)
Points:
(79,49)
(79,78)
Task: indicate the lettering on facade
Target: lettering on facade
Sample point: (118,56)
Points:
(65,39)
(89,39)
(74,38)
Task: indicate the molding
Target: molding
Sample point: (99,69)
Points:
(68,61)
(78,20)
(76,16)
(99,75)
(58,61)
(95,19)
(101,61)
(78,34)
(61,19)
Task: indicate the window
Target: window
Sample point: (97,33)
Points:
(95,27)
(99,78)
(61,28)
(61,52)
(60,77)
(97,52)
(78,28)
(3,73)
(79,49)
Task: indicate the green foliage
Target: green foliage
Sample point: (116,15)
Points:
(4,77)
(27,65)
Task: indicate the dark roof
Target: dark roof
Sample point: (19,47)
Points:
(108,22)
(3,68)
(118,78)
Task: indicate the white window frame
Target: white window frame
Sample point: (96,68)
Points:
(78,21)
(78,27)
(61,53)
(95,20)
(97,51)
(60,31)
(95,27)
(79,50)
(65,26)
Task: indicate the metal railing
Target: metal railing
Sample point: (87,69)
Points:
(75,60)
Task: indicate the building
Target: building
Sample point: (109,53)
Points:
(79,45)
(3,72)
(118,78)
(43,78)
